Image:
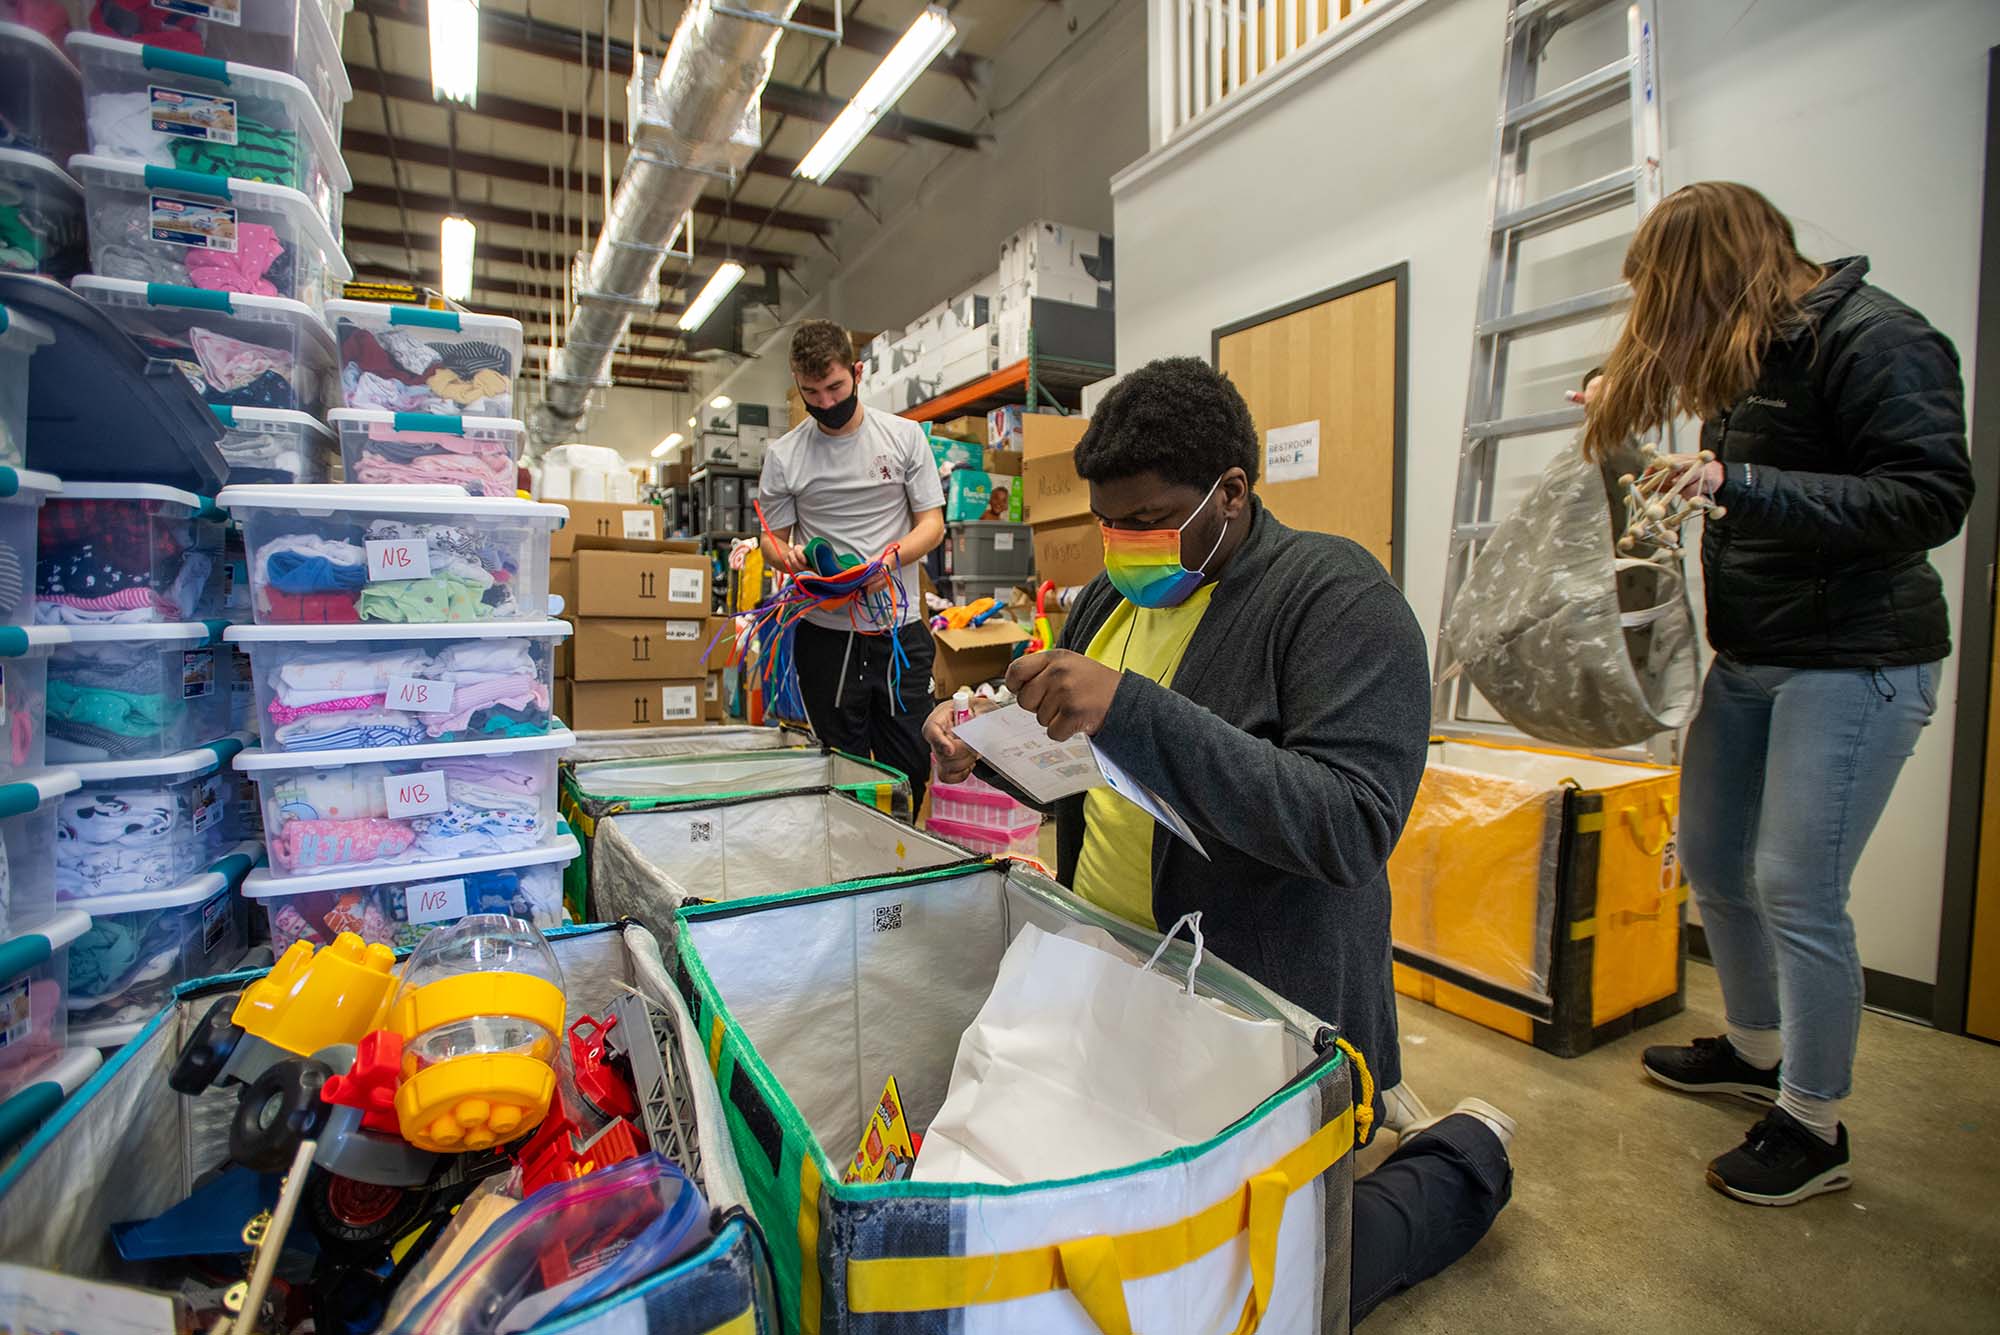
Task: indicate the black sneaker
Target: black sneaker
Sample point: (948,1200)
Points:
(1782,1162)
(1711,1066)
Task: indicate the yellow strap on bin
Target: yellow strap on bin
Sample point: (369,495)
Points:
(743,1323)
(809,1181)
(1652,848)
(1089,1267)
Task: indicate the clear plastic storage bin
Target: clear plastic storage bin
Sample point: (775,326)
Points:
(24,687)
(335,809)
(117,553)
(399,911)
(171,109)
(981,804)
(207,231)
(987,842)
(41,99)
(238,351)
(143,826)
(43,209)
(405,555)
(22,494)
(19,337)
(140,946)
(34,987)
(273,445)
(398,449)
(136,692)
(326,688)
(411,359)
(28,832)
(286,36)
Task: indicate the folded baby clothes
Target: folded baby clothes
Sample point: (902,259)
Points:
(310,609)
(69,741)
(127,713)
(335,793)
(480,474)
(350,731)
(344,673)
(476,697)
(305,843)
(231,363)
(489,781)
(468,829)
(441,598)
(396,369)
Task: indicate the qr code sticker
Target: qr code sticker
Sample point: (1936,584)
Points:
(888,917)
(701,832)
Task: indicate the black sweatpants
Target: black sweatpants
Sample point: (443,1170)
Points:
(853,708)
(1424,1208)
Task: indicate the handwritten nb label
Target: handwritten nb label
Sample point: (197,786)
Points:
(684,586)
(678,703)
(398,558)
(416,794)
(435,901)
(639,524)
(683,630)
(419,695)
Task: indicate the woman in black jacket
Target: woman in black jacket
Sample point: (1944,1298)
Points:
(1837,420)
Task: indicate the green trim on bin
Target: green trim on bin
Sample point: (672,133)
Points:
(188,298)
(225,749)
(209,511)
(13,640)
(4,318)
(25,951)
(441,422)
(181,62)
(216,625)
(223,413)
(10,481)
(74,1106)
(29,1107)
(424,316)
(17,799)
(233,867)
(195,183)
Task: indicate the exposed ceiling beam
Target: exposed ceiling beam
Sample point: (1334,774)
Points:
(482,283)
(640,373)
(535,173)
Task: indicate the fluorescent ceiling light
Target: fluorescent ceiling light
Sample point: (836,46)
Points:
(455,50)
(720,284)
(928,35)
(720,401)
(455,241)
(661,450)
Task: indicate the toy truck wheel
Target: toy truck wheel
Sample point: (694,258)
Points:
(208,1051)
(276,1112)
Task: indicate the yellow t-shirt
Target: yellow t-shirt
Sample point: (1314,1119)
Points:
(1115,869)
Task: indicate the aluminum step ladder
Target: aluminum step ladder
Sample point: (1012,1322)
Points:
(1526,114)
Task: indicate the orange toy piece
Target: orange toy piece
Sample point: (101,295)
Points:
(958,618)
(371,1084)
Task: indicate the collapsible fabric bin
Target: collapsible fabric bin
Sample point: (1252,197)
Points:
(416,555)
(714,739)
(172,109)
(400,449)
(809,1003)
(411,359)
(21,496)
(120,553)
(1540,893)
(321,688)
(646,864)
(24,682)
(41,99)
(136,692)
(127,1147)
(207,230)
(399,908)
(19,337)
(34,987)
(42,227)
(274,445)
(28,835)
(237,351)
(144,826)
(385,805)
(141,946)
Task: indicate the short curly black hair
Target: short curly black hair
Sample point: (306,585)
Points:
(1177,417)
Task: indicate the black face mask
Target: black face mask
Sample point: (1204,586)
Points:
(838,415)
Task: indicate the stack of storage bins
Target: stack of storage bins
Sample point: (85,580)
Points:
(42,226)
(404,668)
(213,188)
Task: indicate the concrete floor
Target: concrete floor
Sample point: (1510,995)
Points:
(1612,1227)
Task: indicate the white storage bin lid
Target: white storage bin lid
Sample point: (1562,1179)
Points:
(22,333)
(270,419)
(348,633)
(260,884)
(444,504)
(256,760)
(25,794)
(68,1071)
(164,634)
(31,947)
(246,78)
(132,491)
(180,765)
(381,315)
(31,641)
(95,1036)
(242,305)
(14,162)
(221,874)
(449,424)
(126,174)
(27,485)
(21,35)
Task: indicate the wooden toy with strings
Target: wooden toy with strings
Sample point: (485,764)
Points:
(1662,498)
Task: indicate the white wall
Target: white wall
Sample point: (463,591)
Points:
(632,421)
(1864,121)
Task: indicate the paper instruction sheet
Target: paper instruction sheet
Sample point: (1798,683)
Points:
(1015,743)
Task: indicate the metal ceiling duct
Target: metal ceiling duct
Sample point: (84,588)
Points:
(693,123)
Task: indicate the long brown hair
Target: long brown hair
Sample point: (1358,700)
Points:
(1716,275)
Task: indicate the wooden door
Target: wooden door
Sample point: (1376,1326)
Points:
(1324,380)
(1982,997)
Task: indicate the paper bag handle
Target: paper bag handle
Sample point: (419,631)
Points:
(1191,921)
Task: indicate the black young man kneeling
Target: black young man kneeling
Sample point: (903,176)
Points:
(1272,686)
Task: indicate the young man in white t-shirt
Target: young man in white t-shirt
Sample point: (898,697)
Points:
(864,481)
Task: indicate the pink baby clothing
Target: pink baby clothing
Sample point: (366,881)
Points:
(257,249)
(282,713)
(335,843)
(513,692)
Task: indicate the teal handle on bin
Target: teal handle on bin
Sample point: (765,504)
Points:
(188,298)
(26,1111)
(180,62)
(233,867)
(194,183)
(442,422)
(13,641)
(4,317)
(216,625)
(225,749)
(10,481)
(423,315)
(18,799)
(223,413)
(26,951)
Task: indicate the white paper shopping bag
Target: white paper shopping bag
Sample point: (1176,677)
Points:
(1080,1062)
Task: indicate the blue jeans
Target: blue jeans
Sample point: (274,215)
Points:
(1786,773)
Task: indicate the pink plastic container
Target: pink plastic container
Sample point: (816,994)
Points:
(981,806)
(1022,842)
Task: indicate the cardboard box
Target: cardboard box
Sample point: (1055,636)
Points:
(565,661)
(1049,483)
(598,705)
(975,655)
(974,493)
(972,430)
(1001,463)
(719,633)
(639,649)
(641,584)
(562,583)
(605,519)
(715,705)
(1069,552)
(562,701)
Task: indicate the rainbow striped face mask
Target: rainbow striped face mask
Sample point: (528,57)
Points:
(1145,564)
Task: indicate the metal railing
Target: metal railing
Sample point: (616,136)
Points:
(1210,51)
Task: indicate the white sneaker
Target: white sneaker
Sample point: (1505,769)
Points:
(1402,1108)
(1498,1122)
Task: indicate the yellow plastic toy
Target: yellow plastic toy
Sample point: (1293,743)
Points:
(310,1000)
